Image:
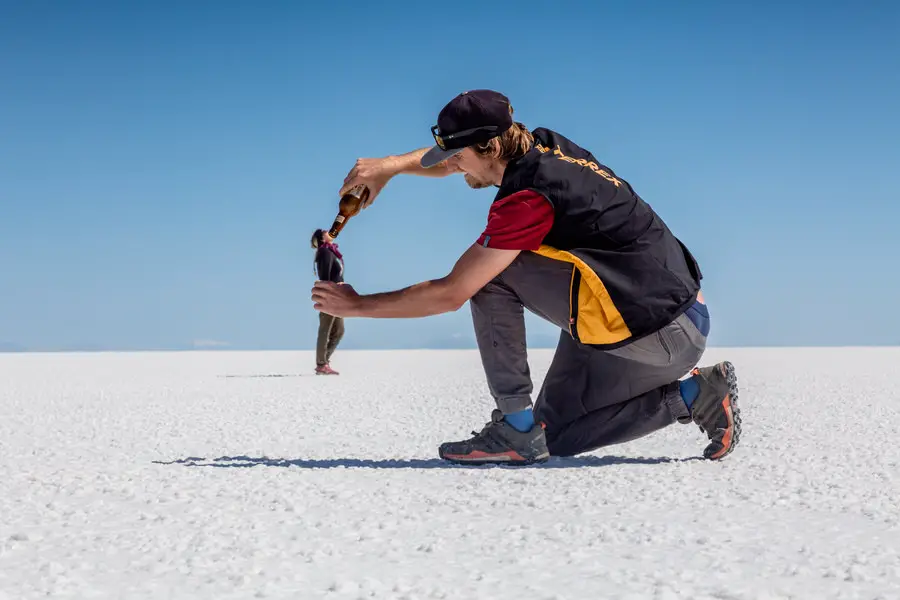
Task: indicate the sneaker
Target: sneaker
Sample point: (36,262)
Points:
(716,409)
(326,370)
(498,443)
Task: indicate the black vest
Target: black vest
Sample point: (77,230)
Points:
(631,276)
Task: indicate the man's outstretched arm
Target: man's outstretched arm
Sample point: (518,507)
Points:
(375,173)
(410,164)
(475,268)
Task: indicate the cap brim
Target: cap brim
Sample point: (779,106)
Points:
(436,155)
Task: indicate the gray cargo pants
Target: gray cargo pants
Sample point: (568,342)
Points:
(590,398)
(331,331)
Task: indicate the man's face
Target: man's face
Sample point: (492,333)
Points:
(477,170)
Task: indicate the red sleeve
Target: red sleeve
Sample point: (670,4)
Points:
(518,222)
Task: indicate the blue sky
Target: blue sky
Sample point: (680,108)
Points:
(162,164)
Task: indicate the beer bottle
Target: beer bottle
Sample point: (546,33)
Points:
(349,206)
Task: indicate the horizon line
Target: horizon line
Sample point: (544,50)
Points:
(411,349)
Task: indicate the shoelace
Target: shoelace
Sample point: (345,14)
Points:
(486,430)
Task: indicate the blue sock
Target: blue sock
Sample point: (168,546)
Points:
(522,420)
(689,390)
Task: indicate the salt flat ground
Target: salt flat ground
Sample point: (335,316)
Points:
(242,475)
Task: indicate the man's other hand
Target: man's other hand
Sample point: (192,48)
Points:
(335,299)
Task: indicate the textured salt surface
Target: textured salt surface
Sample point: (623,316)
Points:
(241,475)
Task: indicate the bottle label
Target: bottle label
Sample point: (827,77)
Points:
(339,219)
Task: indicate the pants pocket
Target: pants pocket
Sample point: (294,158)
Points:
(664,337)
(655,349)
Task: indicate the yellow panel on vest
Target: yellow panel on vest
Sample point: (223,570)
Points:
(599,321)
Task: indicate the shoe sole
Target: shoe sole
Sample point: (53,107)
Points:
(733,414)
(506,458)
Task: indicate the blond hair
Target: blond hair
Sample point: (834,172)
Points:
(509,145)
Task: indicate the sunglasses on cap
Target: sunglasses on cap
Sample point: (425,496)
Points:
(467,137)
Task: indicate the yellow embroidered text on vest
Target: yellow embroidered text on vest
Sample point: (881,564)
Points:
(580,161)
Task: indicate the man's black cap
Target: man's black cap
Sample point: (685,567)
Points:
(472,117)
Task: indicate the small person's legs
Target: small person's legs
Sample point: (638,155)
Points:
(322,338)
(325,344)
(335,335)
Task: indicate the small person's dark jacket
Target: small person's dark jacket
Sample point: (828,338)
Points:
(328,266)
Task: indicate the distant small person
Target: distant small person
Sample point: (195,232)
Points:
(329,267)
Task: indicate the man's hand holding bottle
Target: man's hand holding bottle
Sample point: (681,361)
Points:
(374,173)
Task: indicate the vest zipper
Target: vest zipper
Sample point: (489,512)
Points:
(573,303)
